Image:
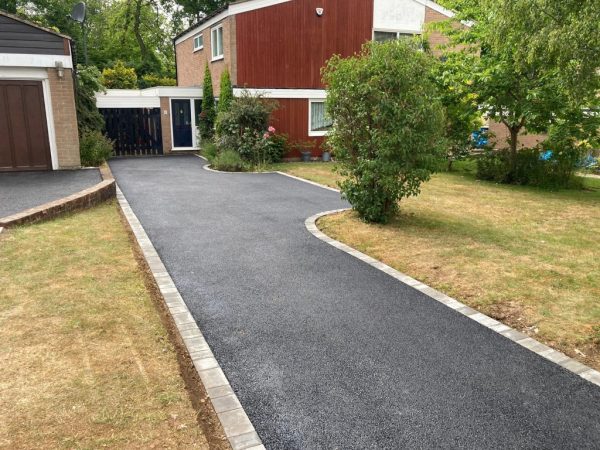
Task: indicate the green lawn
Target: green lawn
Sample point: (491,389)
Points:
(526,256)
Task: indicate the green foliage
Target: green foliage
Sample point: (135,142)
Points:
(209,151)
(388,125)
(554,173)
(151,80)
(462,114)
(277,147)
(94,147)
(229,161)
(195,10)
(88,83)
(226,94)
(208,114)
(119,77)
(245,128)
(531,64)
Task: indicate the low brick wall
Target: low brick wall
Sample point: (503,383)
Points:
(87,198)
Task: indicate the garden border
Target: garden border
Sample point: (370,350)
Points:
(559,358)
(78,201)
(238,428)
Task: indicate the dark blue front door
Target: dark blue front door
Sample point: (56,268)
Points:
(182,122)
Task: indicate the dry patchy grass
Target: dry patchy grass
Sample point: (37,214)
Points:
(319,172)
(528,257)
(86,361)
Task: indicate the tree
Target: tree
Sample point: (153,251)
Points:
(462,115)
(88,83)
(196,10)
(387,125)
(226,92)
(534,64)
(119,77)
(208,114)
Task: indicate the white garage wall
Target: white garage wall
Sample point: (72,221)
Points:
(398,15)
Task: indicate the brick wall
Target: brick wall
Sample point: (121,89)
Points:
(65,118)
(165,123)
(501,136)
(435,37)
(191,64)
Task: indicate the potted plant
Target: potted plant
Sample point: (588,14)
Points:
(326,155)
(305,149)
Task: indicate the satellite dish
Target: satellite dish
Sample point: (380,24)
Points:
(78,13)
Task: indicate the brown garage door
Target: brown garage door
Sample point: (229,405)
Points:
(24,143)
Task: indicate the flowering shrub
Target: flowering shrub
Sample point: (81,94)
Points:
(245,129)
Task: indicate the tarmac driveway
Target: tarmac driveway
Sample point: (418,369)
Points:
(23,190)
(323,350)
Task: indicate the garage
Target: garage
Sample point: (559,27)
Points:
(24,142)
(38,119)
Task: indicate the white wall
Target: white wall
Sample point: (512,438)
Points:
(398,15)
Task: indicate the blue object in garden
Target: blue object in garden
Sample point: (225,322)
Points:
(479,138)
(546,156)
(589,162)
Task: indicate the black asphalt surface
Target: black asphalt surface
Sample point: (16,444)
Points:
(325,351)
(23,190)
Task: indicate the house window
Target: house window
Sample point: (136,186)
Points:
(198,42)
(318,121)
(382,36)
(216,42)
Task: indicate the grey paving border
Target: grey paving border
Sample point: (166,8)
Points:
(522,339)
(237,426)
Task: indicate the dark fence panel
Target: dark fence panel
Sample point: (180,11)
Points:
(136,131)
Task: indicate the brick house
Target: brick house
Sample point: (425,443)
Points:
(278,47)
(38,119)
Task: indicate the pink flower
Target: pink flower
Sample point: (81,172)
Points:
(271,129)
(266,135)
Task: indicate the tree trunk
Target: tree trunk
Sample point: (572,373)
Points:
(136,30)
(513,142)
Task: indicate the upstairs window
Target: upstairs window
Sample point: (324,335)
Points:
(198,42)
(318,120)
(216,42)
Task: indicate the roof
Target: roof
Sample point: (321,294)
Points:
(32,24)
(204,20)
(239,6)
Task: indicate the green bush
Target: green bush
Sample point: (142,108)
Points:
(208,113)
(209,151)
(229,161)
(277,147)
(244,128)
(531,169)
(151,80)
(388,125)
(119,77)
(94,148)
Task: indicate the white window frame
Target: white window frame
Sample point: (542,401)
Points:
(215,32)
(199,47)
(398,32)
(311,132)
(195,140)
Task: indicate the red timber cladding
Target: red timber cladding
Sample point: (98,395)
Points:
(291,118)
(285,45)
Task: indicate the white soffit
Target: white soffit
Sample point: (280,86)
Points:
(315,94)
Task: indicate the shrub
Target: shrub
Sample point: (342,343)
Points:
(94,148)
(387,125)
(277,147)
(151,80)
(226,92)
(119,77)
(208,114)
(229,161)
(547,169)
(88,83)
(209,151)
(244,127)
